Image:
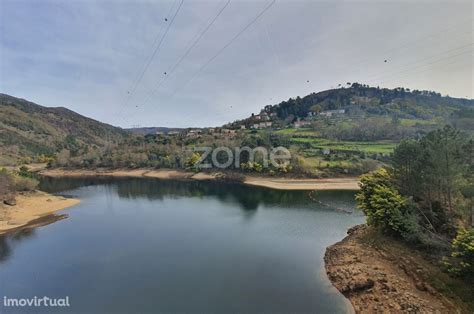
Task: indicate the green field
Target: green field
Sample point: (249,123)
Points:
(308,136)
(378,147)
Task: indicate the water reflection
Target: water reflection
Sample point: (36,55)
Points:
(9,240)
(247,197)
(149,245)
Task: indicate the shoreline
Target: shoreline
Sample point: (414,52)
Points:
(378,274)
(33,209)
(344,183)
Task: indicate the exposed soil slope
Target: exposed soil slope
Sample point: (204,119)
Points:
(386,276)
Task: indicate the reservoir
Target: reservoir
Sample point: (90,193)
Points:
(145,246)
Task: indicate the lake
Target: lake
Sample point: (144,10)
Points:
(148,245)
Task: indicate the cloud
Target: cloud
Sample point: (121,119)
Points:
(86,55)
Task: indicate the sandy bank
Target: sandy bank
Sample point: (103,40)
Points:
(305,184)
(269,182)
(29,208)
(381,275)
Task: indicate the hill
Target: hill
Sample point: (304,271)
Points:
(345,131)
(361,112)
(28,130)
(153,130)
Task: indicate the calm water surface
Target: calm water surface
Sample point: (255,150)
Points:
(139,245)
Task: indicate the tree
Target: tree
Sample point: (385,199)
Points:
(444,159)
(461,261)
(315,108)
(432,171)
(406,167)
(385,208)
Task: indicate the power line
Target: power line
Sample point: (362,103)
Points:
(430,63)
(148,60)
(414,41)
(422,65)
(410,66)
(148,63)
(195,42)
(224,47)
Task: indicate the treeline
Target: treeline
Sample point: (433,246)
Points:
(425,197)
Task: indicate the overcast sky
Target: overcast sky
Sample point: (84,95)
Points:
(88,56)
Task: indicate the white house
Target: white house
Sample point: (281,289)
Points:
(329,113)
(299,124)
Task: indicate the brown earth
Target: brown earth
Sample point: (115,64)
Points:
(30,206)
(386,276)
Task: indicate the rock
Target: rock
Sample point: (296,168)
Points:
(11,201)
(358,285)
(420,285)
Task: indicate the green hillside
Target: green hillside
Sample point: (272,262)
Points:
(363,113)
(28,130)
(345,131)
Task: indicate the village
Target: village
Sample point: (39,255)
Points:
(264,120)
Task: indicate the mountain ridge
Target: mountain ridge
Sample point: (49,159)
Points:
(28,130)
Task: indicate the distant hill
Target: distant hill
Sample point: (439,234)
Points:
(28,129)
(363,101)
(153,130)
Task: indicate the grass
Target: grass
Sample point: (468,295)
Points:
(376,147)
(318,162)
(413,122)
(309,136)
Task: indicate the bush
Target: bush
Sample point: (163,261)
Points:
(385,208)
(6,182)
(191,162)
(24,172)
(25,184)
(461,262)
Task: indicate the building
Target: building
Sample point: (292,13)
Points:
(301,123)
(262,125)
(228,131)
(329,113)
(242,127)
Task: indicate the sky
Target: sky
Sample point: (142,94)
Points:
(224,59)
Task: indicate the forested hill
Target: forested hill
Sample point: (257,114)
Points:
(28,129)
(358,100)
(377,101)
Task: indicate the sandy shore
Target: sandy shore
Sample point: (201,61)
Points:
(380,275)
(268,182)
(305,184)
(29,208)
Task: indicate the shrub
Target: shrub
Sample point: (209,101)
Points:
(461,262)
(6,182)
(385,208)
(24,183)
(191,162)
(24,172)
